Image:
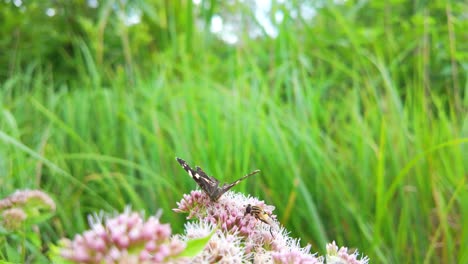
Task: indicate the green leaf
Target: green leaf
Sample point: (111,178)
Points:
(13,254)
(195,246)
(34,238)
(54,254)
(6,262)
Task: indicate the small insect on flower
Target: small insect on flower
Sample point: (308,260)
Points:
(261,215)
(210,185)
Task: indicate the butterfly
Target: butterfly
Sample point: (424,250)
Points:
(261,215)
(210,185)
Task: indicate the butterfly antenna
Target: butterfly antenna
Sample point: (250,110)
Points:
(229,186)
(250,174)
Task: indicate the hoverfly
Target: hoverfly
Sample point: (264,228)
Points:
(209,184)
(261,215)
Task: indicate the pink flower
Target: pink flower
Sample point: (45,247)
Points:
(125,238)
(341,255)
(223,247)
(229,215)
(235,236)
(24,205)
(12,218)
(288,250)
(228,212)
(294,257)
(28,199)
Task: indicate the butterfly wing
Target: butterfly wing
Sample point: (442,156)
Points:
(193,174)
(226,187)
(208,184)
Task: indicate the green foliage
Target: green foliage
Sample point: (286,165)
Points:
(54,255)
(22,244)
(357,118)
(195,246)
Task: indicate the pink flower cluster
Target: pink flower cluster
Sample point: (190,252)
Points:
(229,213)
(28,198)
(223,247)
(241,237)
(233,237)
(337,255)
(23,205)
(126,238)
(13,218)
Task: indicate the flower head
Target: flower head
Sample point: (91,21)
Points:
(13,218)
(24,205)
(125,238)
(230,215)
(226,231)
(229,212)
(288,250)
(223,247)
(28,199)
(341,255)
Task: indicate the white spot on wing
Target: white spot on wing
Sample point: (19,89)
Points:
(205,179)
(190,173)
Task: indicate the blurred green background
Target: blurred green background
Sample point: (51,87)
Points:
(354,111)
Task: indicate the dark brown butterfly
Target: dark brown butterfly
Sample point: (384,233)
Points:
(208,184)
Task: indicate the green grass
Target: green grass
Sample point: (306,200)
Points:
(358,141)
